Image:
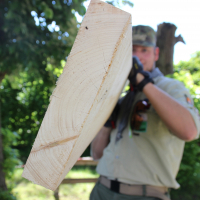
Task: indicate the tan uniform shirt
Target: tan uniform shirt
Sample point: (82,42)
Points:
(153,155)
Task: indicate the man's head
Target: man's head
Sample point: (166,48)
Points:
(143,36)
(144,46)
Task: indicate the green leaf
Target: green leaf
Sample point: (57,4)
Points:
(48,13)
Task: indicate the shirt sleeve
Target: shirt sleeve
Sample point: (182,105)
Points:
(177,90)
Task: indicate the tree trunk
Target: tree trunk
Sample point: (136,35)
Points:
(56,194)
(166,41)
(2,176)
(2,75)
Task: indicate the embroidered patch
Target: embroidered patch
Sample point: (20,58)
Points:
(188,100)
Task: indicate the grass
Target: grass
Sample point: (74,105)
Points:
(26,190)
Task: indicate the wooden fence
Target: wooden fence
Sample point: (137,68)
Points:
(85,161)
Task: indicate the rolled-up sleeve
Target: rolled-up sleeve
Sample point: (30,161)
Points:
(177,90)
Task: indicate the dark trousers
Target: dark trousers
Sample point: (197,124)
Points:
(100,192)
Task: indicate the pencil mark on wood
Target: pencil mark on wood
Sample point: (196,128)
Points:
(91,80)
(103,54)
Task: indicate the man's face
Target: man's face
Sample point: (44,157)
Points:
(146,55)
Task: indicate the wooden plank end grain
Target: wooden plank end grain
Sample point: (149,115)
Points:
(85,95)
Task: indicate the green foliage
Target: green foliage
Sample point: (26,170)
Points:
(6,195)
(189,174)
(24,103)
(26,190)
(33,31)
(10,154)
(31,43)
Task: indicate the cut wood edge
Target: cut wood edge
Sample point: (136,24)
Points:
(76,152)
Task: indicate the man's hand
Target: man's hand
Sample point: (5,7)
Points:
(137,68)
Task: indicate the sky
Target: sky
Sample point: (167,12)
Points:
(184,14)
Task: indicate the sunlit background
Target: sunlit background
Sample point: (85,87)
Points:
(32,56)
(184,14)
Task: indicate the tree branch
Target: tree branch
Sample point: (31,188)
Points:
(179,39)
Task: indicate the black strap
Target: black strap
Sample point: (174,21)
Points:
(128,100)
(141,85)
(126,104)
(144,190)
(114,186)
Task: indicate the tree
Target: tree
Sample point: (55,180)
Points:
(34,34)
(31,31)
(166,41)
(23,108)
(2,177)
(188,72)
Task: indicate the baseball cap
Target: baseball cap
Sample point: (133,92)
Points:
(144,36)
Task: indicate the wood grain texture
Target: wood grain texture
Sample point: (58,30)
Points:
(85,95)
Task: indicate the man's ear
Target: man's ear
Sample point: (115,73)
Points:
(156,51)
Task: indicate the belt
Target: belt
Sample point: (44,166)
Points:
(137,190)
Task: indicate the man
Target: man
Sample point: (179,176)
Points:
(141,159)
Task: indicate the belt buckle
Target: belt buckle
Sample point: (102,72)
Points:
(114,186)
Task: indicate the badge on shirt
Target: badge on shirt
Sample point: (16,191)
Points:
(188,100)
(139,118)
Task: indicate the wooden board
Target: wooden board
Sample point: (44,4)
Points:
(79,180)
(85,95)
